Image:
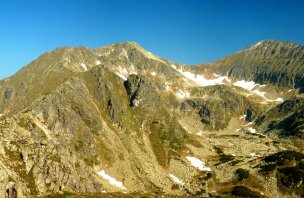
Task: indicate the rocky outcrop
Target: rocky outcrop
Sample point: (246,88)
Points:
(285,120)
(219,106)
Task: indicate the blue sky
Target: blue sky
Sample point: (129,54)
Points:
(186,31)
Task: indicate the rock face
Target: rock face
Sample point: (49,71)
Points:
(11,191)
(286,119)
(119,119)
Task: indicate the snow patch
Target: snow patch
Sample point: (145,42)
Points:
(198,164)
(201,80)
(121,76)
(124,73)
(252,130)
(248,124)
(204,96)
(176,179)
(262,94)
(200,133)
(181,94)
(279,100)
(252,154)
(248,85)
(125,53)
(253,88)
(153,73)
(168,88)
(84,66)
(44,128)
(243,117)
(98,62)
(132,70)
(111,180)
(259,43)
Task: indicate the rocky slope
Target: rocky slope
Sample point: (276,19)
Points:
(276,62)
(119,119)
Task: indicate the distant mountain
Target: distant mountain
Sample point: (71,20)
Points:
(119,119)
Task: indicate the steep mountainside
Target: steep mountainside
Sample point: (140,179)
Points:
(118,119)
(280,63)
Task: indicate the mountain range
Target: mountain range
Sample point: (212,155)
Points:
(119,121)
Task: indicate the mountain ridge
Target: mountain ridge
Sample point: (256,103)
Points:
(285,67)
(118,119)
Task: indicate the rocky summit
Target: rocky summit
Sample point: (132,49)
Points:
(119,121)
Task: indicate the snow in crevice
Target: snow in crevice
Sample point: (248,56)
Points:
(84,66)
(97,62)
(199,133)
(200,165)
(121,76)
(248,85)
(43,127)
(248,124)
(259,43)
(124,73)
(262,94)
(153,73)
(201,80)
(252,154)
(176,179)
(183,94)
(252,87)
(132,70)
(111,180)
(243,117)
(105,54)
(125,53)
(252,130)
(168,87)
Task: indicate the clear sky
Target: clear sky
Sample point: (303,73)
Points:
(186,31)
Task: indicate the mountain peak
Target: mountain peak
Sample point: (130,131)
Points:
(274,44)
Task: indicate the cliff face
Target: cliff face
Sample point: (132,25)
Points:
(120,119)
